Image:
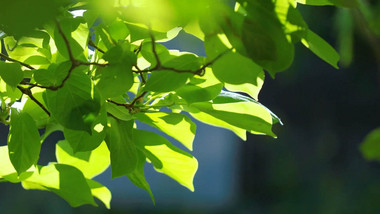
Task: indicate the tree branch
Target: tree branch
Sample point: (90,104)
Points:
(91,43)
(28,92)
(129,106)
(13,60)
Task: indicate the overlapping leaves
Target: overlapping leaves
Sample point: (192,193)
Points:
(94,80)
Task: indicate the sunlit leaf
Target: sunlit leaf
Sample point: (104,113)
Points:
(65,181)
(321,48)
(178,126)
(91,163)
(166,158)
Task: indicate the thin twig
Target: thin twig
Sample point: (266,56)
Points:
(13,60)
(158,62)
(67,43)
(92,63)
(27,91)
(138,98)
(91,43)
(129,106)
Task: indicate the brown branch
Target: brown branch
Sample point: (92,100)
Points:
(92,63)
(199,71)
(138,98)
(129,106)
(91,43)
(158,62)
(67,43)
(27,91)
(13,60)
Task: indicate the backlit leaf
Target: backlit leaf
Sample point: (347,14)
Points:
(166,158)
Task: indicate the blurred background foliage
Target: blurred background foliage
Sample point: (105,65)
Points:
(315,165)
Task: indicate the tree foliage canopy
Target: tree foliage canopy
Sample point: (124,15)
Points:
(93,76)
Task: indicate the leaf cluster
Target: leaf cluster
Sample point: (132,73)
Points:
(94,76)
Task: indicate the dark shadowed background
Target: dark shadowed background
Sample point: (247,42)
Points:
(313,167)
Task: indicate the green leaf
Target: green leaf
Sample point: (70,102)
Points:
(118,30)
(137,177)
(115,80)
(9,93)
(251,89)
(264,38)
(76,105)
(230,97)
(11,73)
(166,158)
(65,181)
(246,115)
(39,116)
(91,163)
(20,17)
(321,48)
(23,141)
(208,119)
(236,69)
(178,126)
(140,32)
(37,60)
(101,192)
(119,112)
(76,31)
(166,80)
(370,147)
(81,141)
(7,170)
(194,93)
(54,75)
(291,18)
(316,2)
(121,146)
(161,51)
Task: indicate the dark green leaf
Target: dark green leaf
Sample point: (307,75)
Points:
(54,75)
(23,141)
(137,177)
(122,148)
(166,80)
(76,105)
(21,17)
(81,141)
(264,39)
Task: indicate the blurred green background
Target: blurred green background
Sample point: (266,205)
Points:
(314,166)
